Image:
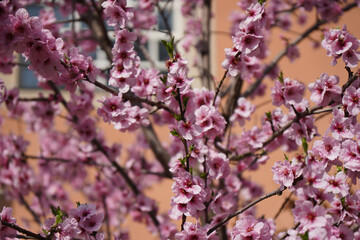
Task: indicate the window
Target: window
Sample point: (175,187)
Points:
(153,46)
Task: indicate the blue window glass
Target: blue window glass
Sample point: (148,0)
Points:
(169,16)
(27,77)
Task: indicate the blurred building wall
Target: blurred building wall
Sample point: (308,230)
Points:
(311,64)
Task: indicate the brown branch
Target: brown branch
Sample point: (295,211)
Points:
(266,196)
(90,162)
(39,99)
(279,132)
(147,55)
(274,62)
(98,29)
(132,97)
(283,205)
(31,211)
(165,19)
(106,218)
(219,86)
(287,234)
(232,100)
(23,231)
(96,24)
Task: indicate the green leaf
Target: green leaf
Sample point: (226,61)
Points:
(58,219)
(45,231)
(182,161)
(191,170)
(305,236)
(339,169)
(55,211)
(281,77)
(177,117)
(169,47)
(286,157)
(191,148)
(261,1)
(203,175)
(175,133)
(343,202)
(268,116)
(185,101)
(163,79)
(78,204)
(58,214)
(305,145)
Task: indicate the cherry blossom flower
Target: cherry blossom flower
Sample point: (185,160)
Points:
(242,111)
(334,184)
(189,129)
(340,127)
(327,148)
(249,227)
(325,90)
(117,12)
(192,231)
(218,166)
(309,216)
(5,216)
(351,100)
(283,173)
(340,43)
(350,154)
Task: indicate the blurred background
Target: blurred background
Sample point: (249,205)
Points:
(306,69)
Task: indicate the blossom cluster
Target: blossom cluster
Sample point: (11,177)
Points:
(205,159)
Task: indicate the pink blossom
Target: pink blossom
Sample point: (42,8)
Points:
(117,12)
(325,90)
(192,231)
(5,216)
(340,127)
(351,100)
(350,154)
(334,184)
(327,148)
(283,173)
(92,222)
(340,43)
(124,40)
(292,52)
(249,227)
(242,111)
(309,216)
(87,217)
(218,166)
(146,82)
(112,107)
(189,129)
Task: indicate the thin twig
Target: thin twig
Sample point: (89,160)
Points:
(132,97)
(287,234)
(219,86)
(31,211)
(39,99)
(273,63)
(283,205)
(23,231)
(106,218)
(279,132)
(225,220)
(165,19)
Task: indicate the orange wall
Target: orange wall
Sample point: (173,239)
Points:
(310,66)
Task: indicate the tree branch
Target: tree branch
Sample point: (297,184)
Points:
(266,196)
(23,231)
(274,62)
